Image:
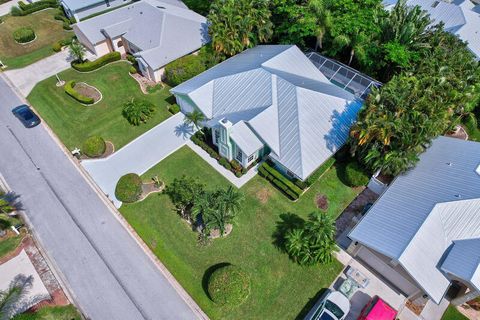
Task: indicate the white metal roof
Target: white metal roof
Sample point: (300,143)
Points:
(300,114)
(243,136)
(423,211)
(162,31)
(463,261)
(461,17)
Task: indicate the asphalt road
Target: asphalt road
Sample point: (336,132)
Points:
(108,273)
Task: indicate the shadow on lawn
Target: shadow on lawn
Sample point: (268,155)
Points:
(311,302)
(288,221)
(208,273)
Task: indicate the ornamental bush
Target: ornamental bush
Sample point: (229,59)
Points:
(138,111)
(229,286)
(355,175)
(133,70)
(70,90)
(129,188)
(94,146)
(57,46)
(183,69)
(174,109)
(24,35)
(100,62)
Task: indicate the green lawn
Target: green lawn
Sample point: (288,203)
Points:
(9,244)
(74,122)
(453,314)
(47,29)
(51,313)
(280,288)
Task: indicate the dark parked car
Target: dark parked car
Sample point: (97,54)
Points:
(27,116)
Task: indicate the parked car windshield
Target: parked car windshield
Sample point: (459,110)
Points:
(26,114)
(333,308)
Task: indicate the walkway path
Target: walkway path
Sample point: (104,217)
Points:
(5,7)
(237,182)
(26,78)
(139,155)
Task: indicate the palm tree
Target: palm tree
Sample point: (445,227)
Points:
(6,206)
(295,244)
(77,51)
(355,42)
(195,118)
(16,292)
(231,201)
(320,9)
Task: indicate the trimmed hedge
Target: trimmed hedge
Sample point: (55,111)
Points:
(174,109)
(355,175)
(100,62)
(129,188)
(94,147)
(24,35)
(133,70)
(57,47)
(26,9)
(229,286)
(70,90)
(274,172)
(277,182)
(184,69)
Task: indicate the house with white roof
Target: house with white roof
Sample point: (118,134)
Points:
(272,99)
(460,17)
(155,32)
(423,234)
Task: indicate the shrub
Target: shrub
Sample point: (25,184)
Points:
(470,122)
(26,9)
(183,69)
(100,62)
(131,58)
(24,35)
(129,188)
(133,70)
(224,163)
(277,183)
(57,47)
(70,90)
(16,11)
(138,111)
(22,5)
(289,184)
(236,166)
(355,175)
(66,26)
(174,109)
(229,286)
(94,146)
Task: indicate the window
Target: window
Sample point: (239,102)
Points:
(239,155)
(217,135)
(119,43)
(250,158)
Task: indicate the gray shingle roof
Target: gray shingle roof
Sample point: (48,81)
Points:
(461,17)
(299,113)
(162,31)
(423,211)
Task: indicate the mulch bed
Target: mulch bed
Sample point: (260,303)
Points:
(143,82)
(149,188)
(88,91)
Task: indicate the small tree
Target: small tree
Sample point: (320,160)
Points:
(11,297)
(183,192)
(195,118)
(314,242)
(138,111)
(77,51)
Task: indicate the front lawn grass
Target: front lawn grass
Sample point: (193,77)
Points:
(280,289)
(453,314)
(51,313)
(47,29)
(74,122)
(9,244)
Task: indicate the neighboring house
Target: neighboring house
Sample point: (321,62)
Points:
(423,233)
(155,32)
(80,9)
(272,100)
(460,17)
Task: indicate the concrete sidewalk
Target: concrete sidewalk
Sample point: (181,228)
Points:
(139,155)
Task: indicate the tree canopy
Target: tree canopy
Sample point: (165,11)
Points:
(236,25)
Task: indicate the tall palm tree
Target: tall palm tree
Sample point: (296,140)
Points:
(323,16)
(6,206)
(231,201)
(195,118)
(355,42)
(295,244)
(77,51)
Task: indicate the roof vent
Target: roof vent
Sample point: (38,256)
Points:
(458,196)
(449,164)
(478,170)
(160,7)
(435,4)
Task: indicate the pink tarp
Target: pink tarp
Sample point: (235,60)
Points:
(381,311)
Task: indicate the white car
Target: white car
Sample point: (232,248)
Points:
(332,306)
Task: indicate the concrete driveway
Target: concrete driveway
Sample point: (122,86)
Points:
(139,155)
(26,78)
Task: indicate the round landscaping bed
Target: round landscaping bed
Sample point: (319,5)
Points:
(129,188)
(88,91)
(229,286)
(94,147)
(24,35)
